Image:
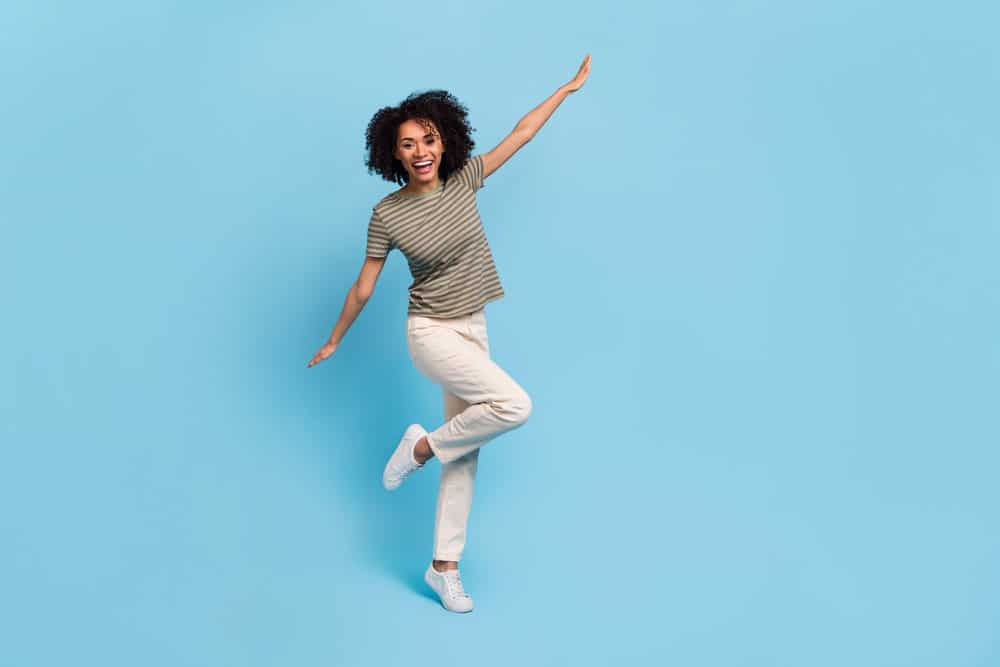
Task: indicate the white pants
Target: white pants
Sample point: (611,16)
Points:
(481,401)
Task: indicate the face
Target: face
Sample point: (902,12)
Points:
(418,143)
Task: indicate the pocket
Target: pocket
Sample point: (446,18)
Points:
(477,330)
(414,334)
(418,322)
(422,337)
(431,346)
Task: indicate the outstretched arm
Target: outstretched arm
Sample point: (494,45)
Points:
(356,299)
(532,122)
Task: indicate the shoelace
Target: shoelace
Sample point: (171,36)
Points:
(408,468)
(454,584)
(411,461)
(405,468)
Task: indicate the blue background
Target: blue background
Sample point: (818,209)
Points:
(752,287)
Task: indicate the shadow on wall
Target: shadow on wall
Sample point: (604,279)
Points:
(354,406)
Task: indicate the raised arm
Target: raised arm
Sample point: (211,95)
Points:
(528,126)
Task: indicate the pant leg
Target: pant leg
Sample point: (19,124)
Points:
(455,490)
(454,354)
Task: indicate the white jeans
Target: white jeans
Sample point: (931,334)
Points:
(481,401)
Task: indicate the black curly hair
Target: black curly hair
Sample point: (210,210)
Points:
(439,106)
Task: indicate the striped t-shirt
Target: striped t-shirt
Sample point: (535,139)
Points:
(442,237)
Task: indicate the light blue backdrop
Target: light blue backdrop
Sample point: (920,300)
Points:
(752,287)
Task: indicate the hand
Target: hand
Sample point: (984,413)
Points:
(323,353)
(580,77)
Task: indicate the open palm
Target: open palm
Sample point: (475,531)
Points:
(581,76)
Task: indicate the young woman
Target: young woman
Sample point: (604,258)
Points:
(425,144)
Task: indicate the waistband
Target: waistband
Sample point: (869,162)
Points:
(413,318)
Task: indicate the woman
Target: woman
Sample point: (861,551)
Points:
(425,144)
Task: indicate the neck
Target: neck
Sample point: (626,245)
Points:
(420,188)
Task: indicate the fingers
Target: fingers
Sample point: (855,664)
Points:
(319,356)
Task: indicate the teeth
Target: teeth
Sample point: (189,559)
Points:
(421,164)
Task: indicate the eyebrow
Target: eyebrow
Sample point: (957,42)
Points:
(429,134)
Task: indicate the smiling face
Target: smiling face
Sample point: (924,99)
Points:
(418,143)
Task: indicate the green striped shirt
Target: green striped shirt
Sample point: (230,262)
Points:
(442,237)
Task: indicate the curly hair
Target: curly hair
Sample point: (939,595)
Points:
(439,106)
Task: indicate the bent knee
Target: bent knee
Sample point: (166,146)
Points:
(526,406)
(517,409)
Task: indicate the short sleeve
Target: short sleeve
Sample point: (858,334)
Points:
(471,173)
(379,243)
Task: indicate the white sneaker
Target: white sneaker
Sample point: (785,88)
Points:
(402,463)
(448,586)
